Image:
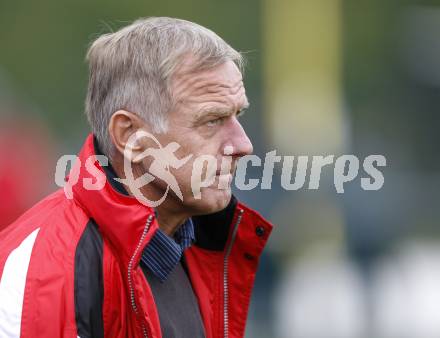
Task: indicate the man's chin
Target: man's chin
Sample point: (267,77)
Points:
(212,201)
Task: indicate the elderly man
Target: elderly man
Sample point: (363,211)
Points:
(105,264)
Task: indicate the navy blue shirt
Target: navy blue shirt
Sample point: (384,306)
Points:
(176,303)
(163,252)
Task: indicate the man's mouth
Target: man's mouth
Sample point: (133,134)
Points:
(224,173)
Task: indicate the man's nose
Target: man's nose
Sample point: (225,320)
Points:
(238,139)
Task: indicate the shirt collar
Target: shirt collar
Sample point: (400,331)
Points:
(184,236)
(163,252)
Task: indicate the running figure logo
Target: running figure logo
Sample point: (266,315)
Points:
(163,159)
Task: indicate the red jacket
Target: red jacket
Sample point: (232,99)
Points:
(70,267)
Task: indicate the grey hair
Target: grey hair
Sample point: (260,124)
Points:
(131,69)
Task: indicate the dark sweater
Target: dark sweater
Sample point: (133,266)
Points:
(176,303)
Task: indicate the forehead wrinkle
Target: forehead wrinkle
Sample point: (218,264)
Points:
(187,75)
(225,89)
(182,90)
(204,80)
(220,90)
(193,87)
(211,87)
(222,84)
(223,96)
(185,83)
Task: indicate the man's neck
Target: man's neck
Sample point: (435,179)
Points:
(169,216)
(169,222)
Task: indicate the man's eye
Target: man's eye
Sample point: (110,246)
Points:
(215,122)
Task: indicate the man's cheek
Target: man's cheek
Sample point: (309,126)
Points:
(183,178)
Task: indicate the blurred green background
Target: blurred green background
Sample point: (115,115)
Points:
(323,77)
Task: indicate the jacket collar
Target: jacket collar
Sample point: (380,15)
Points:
(120,217)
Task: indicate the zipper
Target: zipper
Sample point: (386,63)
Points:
(225,276)
(130,267)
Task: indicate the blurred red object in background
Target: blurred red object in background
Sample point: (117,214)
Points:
(26,174)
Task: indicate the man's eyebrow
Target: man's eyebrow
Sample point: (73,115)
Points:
(217,111)
(213,111)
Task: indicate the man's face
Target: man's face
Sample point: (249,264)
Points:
(204,121)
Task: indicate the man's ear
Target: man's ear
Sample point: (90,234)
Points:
(123,124)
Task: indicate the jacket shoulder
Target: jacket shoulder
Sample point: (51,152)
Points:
(37,265)
(56,220)
(46,213)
